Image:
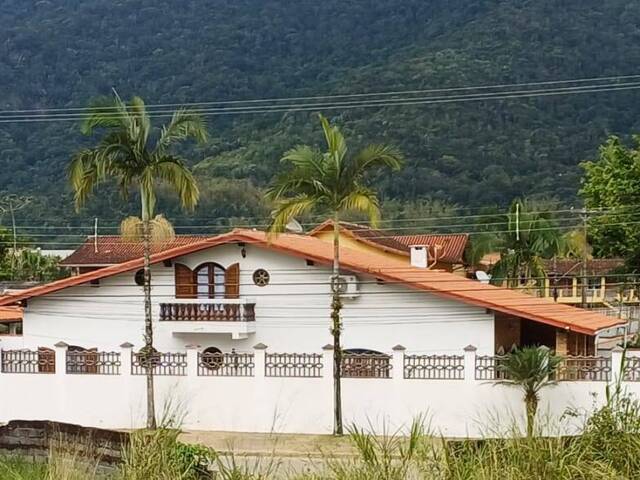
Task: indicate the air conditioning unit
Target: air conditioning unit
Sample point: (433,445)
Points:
(347,285)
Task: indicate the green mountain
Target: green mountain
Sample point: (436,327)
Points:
(64,53)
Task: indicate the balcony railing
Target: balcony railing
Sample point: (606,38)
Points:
(207,311)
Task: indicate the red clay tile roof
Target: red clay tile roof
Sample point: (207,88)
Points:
(381,267)
(572,267)
(10,314)
(452,245)
(365,234)
(113,249)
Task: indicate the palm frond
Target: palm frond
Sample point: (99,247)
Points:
(378,156)
(160,229)
(337,146)
(183,125)
(362,200)
(289,209)
(172,171)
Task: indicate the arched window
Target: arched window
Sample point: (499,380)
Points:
(210,281)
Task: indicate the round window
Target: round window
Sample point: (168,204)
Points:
(212,358)
(139,277)
(261,277)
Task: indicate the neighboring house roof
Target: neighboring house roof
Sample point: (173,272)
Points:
(112,249)
(573,267)
(381,267)
(365,234)
(451,245)
(10,314)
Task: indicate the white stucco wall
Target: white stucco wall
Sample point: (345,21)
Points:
(292,312)
(454,408)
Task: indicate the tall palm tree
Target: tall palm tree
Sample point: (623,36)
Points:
(530,237)
(529,369)
(334,182)
(130,154)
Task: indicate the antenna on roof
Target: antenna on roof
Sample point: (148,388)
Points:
(294,226)
(95,235)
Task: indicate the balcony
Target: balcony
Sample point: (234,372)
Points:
(232,316)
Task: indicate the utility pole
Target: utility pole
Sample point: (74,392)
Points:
(12,203)
(583,273)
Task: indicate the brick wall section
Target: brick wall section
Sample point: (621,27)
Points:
(35,438)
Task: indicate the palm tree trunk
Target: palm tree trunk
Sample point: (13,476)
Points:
(531,405)
(336,327)
(148,319)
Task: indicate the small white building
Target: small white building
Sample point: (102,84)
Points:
(228,294)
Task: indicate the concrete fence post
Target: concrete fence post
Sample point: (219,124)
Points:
(61,358)
(617,367)
(192,360)
(470,363)
(126,355)
(397,363)
(327,362)
(260,360)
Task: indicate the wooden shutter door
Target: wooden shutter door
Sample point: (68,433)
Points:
(185,282)
(232,281)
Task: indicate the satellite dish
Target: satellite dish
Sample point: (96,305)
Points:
(294,226)
(483,277)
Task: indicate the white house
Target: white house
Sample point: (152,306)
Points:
(238,301)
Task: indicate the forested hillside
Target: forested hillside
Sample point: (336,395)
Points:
(64,53)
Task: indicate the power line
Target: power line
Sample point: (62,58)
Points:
(353,95)
(382,103)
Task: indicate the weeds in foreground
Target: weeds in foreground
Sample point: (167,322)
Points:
(608,449)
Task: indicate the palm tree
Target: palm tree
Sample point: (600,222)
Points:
(128,155)
(529,369)
(530,237)
(334,182)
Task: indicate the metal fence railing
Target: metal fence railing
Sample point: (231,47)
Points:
(305,365)
(161,364)
(488,367)
(42,360)
(584,368)
(366,365)
(434,367)
(231,364)
(91,362)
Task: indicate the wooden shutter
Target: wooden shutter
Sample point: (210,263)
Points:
(185,280)
(232,281)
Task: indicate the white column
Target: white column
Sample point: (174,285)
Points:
(260,354)
(470,363)
(192,360)
(61,358)
(327,363)
(62,413)
(617,367)
(126,354)
(397,363)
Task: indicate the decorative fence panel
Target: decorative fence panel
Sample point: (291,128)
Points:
(162,364)
(90,362)
(631,371)
(226,364)
(42,360)
(593,369)
(488,367)
(366,365)
(434,367)
(304,365)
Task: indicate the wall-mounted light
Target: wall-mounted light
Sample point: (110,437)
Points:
(243,250)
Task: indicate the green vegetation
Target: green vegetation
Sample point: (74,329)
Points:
(335,183)
(612,183)
(128,155)
(65,53)
(608,449)
(530,369)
